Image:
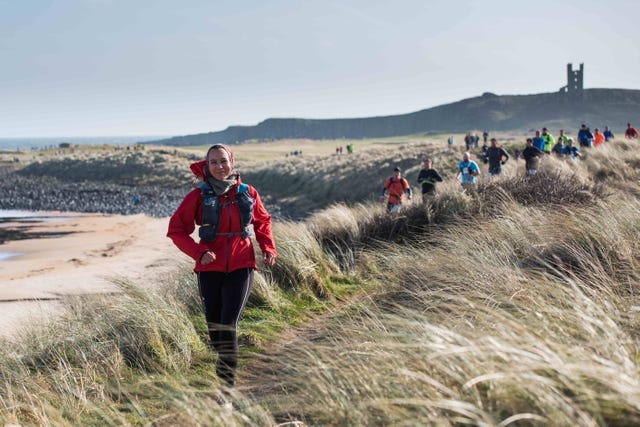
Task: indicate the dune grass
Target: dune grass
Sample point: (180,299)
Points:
(513,305)
(504,320)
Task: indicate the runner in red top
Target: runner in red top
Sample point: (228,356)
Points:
(631,132)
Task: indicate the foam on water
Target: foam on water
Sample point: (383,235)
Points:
(13,213)
(7,255)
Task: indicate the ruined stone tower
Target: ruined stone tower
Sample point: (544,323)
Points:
(575,80)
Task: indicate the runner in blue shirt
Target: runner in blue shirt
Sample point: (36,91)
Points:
(571,151)
(539,141)
(468,170)
(585,137)
(608,135)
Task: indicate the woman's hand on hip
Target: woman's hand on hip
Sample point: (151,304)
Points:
(207,258)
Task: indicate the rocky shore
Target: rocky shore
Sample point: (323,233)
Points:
(48,194)
(125,183)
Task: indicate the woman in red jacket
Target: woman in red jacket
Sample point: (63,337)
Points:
(224,208)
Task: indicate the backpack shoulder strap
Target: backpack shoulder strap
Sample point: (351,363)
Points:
(246,204)
(205,188)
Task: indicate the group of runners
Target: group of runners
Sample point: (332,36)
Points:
(542,143)
(396,187)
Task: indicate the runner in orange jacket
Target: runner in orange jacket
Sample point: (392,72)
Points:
(394,188)
(598,138)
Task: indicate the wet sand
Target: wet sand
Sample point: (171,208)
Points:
(71,254)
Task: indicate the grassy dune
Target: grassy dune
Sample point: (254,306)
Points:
(517,305)
(485,323)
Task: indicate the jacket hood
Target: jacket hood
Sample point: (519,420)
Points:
(198,168)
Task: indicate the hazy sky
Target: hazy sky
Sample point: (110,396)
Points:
(167,67)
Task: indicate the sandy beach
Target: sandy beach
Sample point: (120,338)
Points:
(88,252)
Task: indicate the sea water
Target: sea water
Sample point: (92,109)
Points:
(7,255)
(24,216)
(35,143)
(12,213)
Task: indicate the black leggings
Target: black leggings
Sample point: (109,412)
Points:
(224,296)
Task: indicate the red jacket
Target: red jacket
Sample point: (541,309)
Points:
(631,133)
(232,251)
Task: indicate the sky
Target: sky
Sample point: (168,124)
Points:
(163,67)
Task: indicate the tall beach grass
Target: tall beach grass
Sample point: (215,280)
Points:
(513,305)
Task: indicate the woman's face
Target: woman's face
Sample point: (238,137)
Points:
(220,166)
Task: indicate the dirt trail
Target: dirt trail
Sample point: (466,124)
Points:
(262,375)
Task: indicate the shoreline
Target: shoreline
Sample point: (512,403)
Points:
(19,225)
(82,254)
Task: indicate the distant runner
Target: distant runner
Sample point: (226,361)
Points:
(549,141)
(585,137)
(427,178)
(394,190)
(571,151)
(598,138)
(564,139)
(467,171)
(538,141)
(631,132)
(608,134)
(496,157)
(531,155)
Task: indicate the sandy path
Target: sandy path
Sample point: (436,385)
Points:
(99,248)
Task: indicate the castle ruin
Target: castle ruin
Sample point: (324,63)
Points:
(575,80)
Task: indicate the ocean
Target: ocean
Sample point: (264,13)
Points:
(48,142)
(5,214)
(23,217)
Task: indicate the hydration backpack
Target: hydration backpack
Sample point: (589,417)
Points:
(211,208)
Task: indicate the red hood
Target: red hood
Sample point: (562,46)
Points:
(198,168)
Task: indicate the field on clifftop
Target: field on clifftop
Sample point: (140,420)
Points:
(515,305)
